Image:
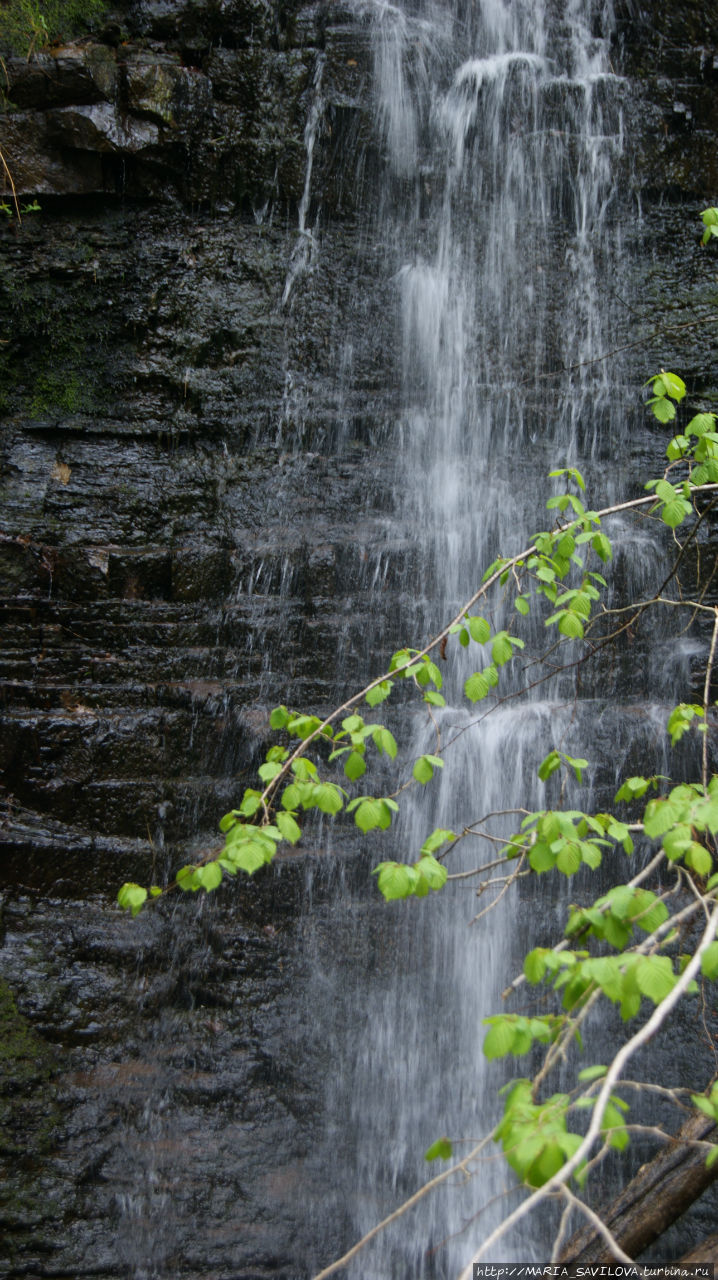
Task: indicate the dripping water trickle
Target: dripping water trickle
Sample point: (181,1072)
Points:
(305,248)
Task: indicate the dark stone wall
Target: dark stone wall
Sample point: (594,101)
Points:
(195,485)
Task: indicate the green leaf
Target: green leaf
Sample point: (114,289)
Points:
(591,854)
(675,512)
(709,961)
(680,719)
(541,858)
(279,718)
(501,648)
(476,687)
(439,1150)
(578,764)
(493,568)
(370,813)
(289,828)
(434,699)
(619,900)
(568,858)
(699,859)
(591,1073)
(549,765)
(379,693)
(677,448)
(421,887)
(291,796)
(613,1120)
(433,872)
(571,626)
(655,977)
(395,880)
(546,573)
(441,835)
(499,1038)
(701,423)
(633,789)
(602,546)
(303,726)
(327,797)
(672,385)
(269,771)
(352,723)
(663,409)
(547,1164)
(479,629)
(250,856)
(424,767)
(209,876)
(132,897)
(664,489)
(433,673)
(647,911)
(535,965)
(385,742)
(354,766)
(251,801)
(661,817)
(521,605)
(304,770)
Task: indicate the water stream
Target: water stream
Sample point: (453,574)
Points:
(501,217)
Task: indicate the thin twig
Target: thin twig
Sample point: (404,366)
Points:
(597,1222)
(5,166)
(509,881)
(561,1233)
(707,696)
(460,1167)
(629,346)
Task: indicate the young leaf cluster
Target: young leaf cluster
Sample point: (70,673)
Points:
(567,839)
(535,1136)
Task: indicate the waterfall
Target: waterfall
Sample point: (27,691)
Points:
(500,210)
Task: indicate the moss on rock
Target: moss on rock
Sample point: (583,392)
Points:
(27,1112)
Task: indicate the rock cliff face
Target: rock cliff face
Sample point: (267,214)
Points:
(196,470)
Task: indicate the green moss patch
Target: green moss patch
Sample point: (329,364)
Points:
(28,26)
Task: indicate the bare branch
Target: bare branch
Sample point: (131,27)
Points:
(460,1167)
(600,1226)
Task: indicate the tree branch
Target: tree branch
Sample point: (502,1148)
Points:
(461,1166)
(641,1037)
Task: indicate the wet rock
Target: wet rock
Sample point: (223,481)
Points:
(198,459)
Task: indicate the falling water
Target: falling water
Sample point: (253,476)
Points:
(305,247)
(502,132)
